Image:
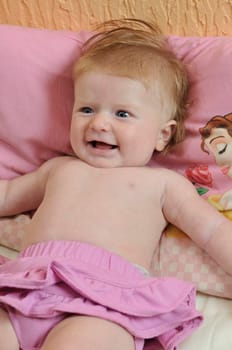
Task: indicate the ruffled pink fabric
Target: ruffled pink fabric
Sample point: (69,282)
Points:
(50,279)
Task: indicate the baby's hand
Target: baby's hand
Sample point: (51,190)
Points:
(226,200)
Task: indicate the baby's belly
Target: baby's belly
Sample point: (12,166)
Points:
(138,251)
(35,234)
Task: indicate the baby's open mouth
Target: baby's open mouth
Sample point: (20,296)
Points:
(102,145)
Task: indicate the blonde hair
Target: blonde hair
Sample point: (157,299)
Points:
(136,49)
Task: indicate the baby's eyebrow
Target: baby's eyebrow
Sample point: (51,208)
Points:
(127,105)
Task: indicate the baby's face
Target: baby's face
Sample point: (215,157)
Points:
(116,121)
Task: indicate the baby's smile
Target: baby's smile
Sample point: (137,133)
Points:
(102,145)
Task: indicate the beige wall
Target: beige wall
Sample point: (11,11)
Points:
(182,17)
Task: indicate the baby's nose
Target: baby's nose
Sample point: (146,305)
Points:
(100,122)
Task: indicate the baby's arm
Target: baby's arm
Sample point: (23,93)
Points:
(25,192)
(205,225)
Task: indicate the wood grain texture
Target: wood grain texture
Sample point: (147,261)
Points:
(181,17)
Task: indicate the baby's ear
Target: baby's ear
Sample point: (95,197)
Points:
(165,135)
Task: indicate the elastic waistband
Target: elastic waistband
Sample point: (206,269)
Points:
(85,253)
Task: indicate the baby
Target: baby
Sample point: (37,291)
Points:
(82,280)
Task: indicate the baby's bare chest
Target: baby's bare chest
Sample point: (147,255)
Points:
(119,210)
(120,191)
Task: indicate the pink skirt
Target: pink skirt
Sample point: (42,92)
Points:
(50,281)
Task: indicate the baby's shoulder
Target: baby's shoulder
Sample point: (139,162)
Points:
(59,165)
(170,179)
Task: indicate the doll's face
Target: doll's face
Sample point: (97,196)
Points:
(219,143)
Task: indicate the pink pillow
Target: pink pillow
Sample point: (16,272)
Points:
(12,230)
(36,95)
(36,100)
(178,256)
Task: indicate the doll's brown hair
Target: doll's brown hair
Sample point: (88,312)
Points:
(218,121)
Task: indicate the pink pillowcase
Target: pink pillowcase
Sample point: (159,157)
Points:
(36,95)
(178,256)
(12,230)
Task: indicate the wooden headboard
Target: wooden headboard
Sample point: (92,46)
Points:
(180,17)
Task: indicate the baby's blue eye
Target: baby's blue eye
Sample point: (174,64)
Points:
(86,110)
(123,114)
